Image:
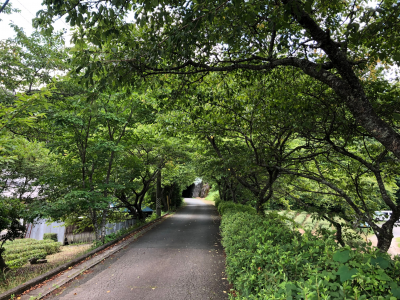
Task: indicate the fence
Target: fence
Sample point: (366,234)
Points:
(88,235)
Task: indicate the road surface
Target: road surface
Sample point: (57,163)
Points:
(181,258)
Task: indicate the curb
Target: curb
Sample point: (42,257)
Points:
(31,283)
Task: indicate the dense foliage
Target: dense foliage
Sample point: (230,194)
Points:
(268,260)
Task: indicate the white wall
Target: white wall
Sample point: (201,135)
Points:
(40,228)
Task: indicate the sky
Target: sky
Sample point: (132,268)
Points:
(24,18)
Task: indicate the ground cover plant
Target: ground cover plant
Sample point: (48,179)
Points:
(267,260)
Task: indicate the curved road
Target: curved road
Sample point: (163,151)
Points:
(181,258)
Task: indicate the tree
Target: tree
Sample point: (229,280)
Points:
(89,132)
(6,7)
(333,42)
(249,134)
(27,63)
(139,166)
(11,211)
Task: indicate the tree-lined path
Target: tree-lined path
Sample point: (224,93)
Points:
(181,258)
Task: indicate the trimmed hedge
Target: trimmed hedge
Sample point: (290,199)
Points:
(265,259)
(18,252)
(230,207)
(50,236)
(21,242)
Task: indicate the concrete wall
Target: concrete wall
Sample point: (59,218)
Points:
(40,228)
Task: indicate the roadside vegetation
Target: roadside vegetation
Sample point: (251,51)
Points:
(280,105)
(267,259)
(18,252)
(212,194)
(23,271)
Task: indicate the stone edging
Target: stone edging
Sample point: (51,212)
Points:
(27,285)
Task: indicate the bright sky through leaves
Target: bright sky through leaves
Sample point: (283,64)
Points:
(23,19)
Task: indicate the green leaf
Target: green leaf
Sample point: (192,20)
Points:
(395,289)
(308,6)
(384,277)
(342,256)
(345,273)
(383,263)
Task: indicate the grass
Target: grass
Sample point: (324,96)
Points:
(21,275)
(301,218)
(212,195)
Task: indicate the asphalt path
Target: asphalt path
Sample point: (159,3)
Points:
(181,258)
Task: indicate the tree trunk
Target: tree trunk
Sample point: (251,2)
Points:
(164,199)
(385,236)
(3,266)
(158,195)
(95,224)
(339,231)
(233,191)
(138,207)
(103,225)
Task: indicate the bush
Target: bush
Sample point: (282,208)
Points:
(217,201)
(213,194)
(230,207)
(267,260)
(50,236)
(18,252)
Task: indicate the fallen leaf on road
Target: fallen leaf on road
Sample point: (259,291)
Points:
(108,291)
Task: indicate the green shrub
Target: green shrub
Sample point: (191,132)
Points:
(217,201)
(18,252)
(50,248)
(21,242)
(267,260)
(50,236)
(230,207)
(212,195)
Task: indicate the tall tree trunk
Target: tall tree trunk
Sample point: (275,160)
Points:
(95,224)
(164,199)
(158,195)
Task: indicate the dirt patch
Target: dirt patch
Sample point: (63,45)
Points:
(68,252)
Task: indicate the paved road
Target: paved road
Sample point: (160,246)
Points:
(181,258)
